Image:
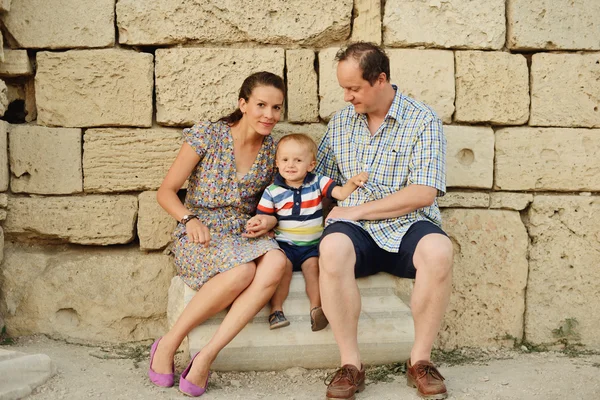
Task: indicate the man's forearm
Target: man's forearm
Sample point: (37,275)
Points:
(405,201)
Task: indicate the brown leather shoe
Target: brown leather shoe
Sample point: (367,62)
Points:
(344,382)
(427,379)
(318,320)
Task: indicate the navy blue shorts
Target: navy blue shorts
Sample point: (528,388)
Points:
(371,259)
(298,254)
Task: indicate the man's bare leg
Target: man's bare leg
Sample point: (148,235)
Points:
(340,295)
(431,293)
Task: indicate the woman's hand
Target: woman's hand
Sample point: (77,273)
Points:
(197,232)
(259,225)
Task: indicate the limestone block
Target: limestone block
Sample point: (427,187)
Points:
(51,166)
(547,159)
(315,131)
(563,270)
(3,98)
(21,374)
(385,330)
(366,26)
(1,254)
(283,22)
(121,160)
(195,84)
(427,76)
(82,88)
(553,24)
(489,278)
(565,90)
(94,219)
(103,295)
(155,226)
(441,23)
(60,24)
(331,95)
(302,96)
(16,63)
(3,200)
(5,5)
(4,171)
(510,201)
(491,87)
(469,156)
(464,200)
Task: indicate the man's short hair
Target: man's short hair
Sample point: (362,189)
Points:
(371,59)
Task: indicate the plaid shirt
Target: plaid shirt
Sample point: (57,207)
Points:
(408,148)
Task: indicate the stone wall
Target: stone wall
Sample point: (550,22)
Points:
(95,94)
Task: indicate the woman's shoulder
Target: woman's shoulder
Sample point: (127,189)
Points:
(207,130)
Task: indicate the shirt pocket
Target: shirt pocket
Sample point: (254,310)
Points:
(390,169)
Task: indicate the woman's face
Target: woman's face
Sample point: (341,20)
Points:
(263,109)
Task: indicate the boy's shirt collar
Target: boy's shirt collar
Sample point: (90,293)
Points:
(279,181)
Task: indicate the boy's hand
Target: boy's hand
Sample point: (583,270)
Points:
(259,225)
(360,179)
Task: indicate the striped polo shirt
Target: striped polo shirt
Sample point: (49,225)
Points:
(299,211)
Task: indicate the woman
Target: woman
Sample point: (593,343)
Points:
(229,163)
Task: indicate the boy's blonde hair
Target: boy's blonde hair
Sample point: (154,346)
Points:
(302,139)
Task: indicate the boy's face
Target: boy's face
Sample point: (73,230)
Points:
(294,161)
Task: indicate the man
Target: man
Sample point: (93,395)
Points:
(391,224)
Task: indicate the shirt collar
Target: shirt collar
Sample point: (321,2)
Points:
(279,181)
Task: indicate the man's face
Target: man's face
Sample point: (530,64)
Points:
(358,91)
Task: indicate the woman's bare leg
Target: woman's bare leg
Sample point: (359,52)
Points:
(269,270)
(214,296)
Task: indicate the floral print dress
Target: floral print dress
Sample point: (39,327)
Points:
(223,203)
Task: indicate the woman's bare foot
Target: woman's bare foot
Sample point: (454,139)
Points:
(163,357)
(198,374)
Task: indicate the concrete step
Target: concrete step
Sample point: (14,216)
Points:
(21,373)
(385,330)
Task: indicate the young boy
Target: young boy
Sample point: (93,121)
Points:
(295,199)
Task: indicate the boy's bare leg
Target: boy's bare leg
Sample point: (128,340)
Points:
(282,291)
(310,270)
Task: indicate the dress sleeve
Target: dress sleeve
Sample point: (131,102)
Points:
(199,137)
(428,162)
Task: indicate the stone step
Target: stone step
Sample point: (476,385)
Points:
(385,330)
(21,373)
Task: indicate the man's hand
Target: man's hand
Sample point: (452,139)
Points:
(259,225)
(347,213)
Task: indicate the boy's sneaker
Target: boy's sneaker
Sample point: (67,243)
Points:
(427,379)
(318,320)
(277,320)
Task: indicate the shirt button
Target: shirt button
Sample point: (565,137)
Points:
(297,203)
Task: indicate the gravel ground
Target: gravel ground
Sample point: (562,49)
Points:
(120,373)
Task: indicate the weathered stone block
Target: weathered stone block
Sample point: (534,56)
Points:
(547,159)
(563,270)
(16,63)
(302,96)
(3,200)
(51,166)
(366,26)
(58,24)
(82,88)
(3,98)
(469,156)
(103,295)
(553,24)
(4,171)
(94,219)
(284,22)
(565,90)
(510,201)
(464,200)
(331,94)
(199,84)
(121,160)
(155,226)
(427,76)
(450,24)
(5,5)
(491,87)
(315,131)
(489,278)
